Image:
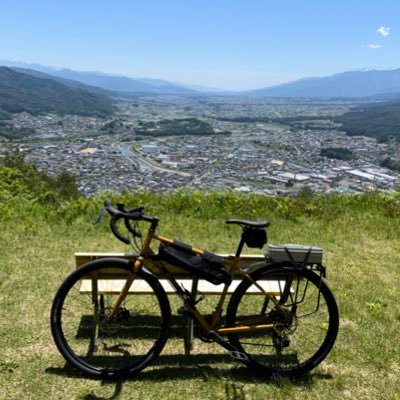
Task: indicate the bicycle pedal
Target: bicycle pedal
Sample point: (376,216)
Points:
(239,356)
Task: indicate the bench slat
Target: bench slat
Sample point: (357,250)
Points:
(139,286)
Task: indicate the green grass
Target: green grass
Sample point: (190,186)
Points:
(360,237)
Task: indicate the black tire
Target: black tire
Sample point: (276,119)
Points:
(122,347)
(301,339)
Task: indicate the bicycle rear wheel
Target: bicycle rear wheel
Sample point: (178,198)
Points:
(109,349)
(304,317)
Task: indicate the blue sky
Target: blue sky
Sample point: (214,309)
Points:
(226,44)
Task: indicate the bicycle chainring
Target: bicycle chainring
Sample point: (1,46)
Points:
(201,333)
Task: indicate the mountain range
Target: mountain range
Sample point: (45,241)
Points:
(350,84)
(373,83)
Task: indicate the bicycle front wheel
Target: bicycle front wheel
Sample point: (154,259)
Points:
(300,311)
(104,347)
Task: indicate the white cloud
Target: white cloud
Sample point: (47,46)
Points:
(374,46)
(384,31)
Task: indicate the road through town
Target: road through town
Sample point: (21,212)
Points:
(145,165)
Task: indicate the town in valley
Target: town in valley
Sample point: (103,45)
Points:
(254,147)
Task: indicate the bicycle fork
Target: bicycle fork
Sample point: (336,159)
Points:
(128,283)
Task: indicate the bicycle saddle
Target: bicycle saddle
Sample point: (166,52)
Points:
(249,224)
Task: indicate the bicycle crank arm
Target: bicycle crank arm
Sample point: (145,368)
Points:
(233,351)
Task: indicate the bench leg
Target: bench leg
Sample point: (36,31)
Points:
(188,338)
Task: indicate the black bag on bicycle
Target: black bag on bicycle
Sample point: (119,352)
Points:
(208,266)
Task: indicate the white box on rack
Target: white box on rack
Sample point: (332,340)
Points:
(295,252)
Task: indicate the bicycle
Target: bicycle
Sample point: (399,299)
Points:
(282,319)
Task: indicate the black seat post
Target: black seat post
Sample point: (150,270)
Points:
(240,246)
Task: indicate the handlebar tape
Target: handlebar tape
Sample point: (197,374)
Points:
(116,232)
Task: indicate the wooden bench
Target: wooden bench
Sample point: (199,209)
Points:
(194,284)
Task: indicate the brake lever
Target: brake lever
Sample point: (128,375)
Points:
(101,216)
(132,230)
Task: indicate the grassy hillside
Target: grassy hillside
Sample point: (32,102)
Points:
(360,237)
(22,92)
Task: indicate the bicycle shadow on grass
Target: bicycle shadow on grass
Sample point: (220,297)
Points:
(204,366)
(207,366)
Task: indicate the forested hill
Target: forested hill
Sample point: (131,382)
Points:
(379,121)
(66,82)
(23,92)
(77,84)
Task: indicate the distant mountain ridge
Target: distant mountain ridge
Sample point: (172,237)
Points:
(24,92)
(122,83)
(354,84)
(108,81)
(68,82)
